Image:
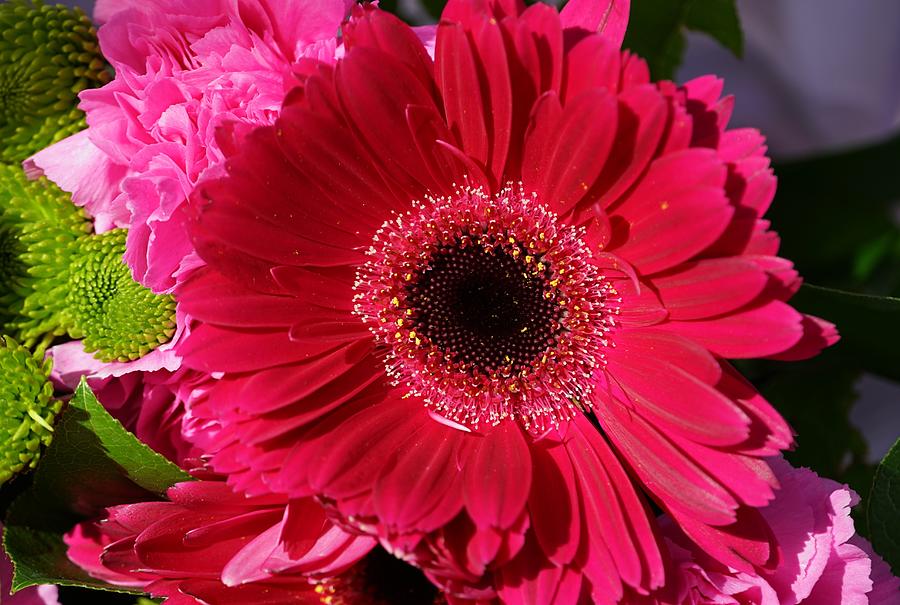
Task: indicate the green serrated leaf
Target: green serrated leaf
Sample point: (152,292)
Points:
(92,463)
(656,30)
(884,508)
(869,326)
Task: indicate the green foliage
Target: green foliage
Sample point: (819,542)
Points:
(48,54)
(816,398)
(56,279)
(884,508)
(869,326)
(656,30)
(27,408)
(39,226)
(834,215)
(92,463)
(119,319)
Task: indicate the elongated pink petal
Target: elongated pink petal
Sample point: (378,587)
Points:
(498,477)
(759,331)
(607,17)
(709,287)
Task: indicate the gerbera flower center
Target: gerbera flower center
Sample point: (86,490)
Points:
(487,308)
(484,307)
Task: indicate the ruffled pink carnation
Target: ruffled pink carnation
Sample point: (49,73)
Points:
(185,69)
(822,561)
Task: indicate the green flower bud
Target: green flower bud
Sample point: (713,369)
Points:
(48,54)
(39,229)
(119,319)
(28,408)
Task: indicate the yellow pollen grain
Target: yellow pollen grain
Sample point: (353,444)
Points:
(400,322)
(554,282)
(395,301)
(528,258)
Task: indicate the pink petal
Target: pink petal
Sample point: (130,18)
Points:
(593,62)
(76,165)
(554,504)
(607,17)
(677,210)
(743,545)
(565,152)
(498,476)
(759,331)
(642,119)
(674,478)
(420,483)
(818,334)
(614,515)
(709,287)
(671,398)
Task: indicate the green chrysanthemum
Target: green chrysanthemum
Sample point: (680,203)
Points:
(39,227)
(29,410)
(119,319)
(48,54)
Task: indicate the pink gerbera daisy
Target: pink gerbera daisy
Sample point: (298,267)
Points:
(478,304)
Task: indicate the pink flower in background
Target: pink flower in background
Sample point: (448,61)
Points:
(185,69)
(207,544)
(480,304)
(822,561)
(150,400)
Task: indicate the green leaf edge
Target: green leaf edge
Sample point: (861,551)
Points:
(85,400)
(886,542)
(97,412)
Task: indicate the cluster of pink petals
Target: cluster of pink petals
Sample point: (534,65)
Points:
(207,544)
(672,201)
(822,561)
(185,70)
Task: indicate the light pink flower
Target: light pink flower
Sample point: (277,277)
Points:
(185,69)
(822,561)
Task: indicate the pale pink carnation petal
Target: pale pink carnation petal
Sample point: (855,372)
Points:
(80,168)
(822,561)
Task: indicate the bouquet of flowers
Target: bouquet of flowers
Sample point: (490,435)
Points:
(306,304)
